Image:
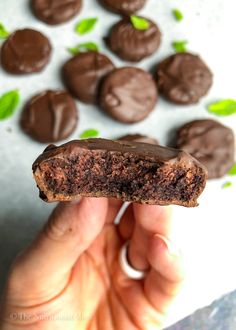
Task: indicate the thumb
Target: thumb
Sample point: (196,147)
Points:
(71,228)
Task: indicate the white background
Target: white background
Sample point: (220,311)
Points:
(206,234)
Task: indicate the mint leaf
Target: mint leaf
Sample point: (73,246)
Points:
(139,23)
(73,50)
(89,133)
(3,32)
(177,14)
(232,171)
(180,46)
(86,46)
(223,107)
(8,103)
(86,25)
(227,184)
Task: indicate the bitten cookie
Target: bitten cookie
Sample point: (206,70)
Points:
(131,171)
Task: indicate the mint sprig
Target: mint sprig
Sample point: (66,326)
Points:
(232,171)
(180,46)
(84,47)
(227,184)
(222,108)
(8,104)
(89,133)
(3,32)
(178,15)
(139,23)
(86,25)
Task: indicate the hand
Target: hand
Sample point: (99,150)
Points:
(70,276)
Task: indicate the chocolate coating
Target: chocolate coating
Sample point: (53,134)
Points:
(183,78)
(50,116)
(55,11)
(124,7)
(138,138)
(25,51)
(211,143)
(136,172)
(128,94)
(131,44)
(83,73)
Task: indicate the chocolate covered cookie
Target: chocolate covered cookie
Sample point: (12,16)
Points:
(55,11)
(138,138)
(83,73)
(25,51)
(123,7)
(50,116)
(128,94)
(130,171)
(211,143)
(183,78)
(132,44)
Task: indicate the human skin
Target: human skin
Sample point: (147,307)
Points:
(70,276)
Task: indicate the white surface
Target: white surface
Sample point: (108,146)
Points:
(206,233)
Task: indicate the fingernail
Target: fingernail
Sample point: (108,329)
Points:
(172,248)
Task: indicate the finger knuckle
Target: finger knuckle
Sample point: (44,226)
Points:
(58,228)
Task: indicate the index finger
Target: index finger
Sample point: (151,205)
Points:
(149,220)
(154,218)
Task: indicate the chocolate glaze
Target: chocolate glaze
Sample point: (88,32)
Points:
(124,7)
(55,11)
(138,138)
(183,78)
(128,94)
(83,73)
(131,44)
(211,143)
(50,116)
(130,171)
(25,51)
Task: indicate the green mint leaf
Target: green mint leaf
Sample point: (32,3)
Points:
(177,14)
(73,50)
(139,23)
(232,171)
(180,46)
(227,184)
(3,32)
(86,25)
(89,133)
(86,46)
(8,104)
(223,107)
